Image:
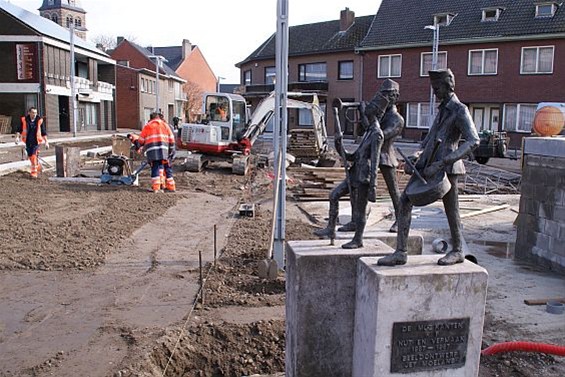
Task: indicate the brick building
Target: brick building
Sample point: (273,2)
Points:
(321,60)
(504,55)
(136,91)
(189,63)
(35,70)
(65,13)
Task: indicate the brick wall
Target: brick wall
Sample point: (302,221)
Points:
(127,98)
(541,224)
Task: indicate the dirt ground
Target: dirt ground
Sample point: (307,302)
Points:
(101,281)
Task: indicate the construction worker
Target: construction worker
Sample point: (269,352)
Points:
(168,164)
(32,132)
(158,142)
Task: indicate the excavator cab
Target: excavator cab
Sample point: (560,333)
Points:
(227,112)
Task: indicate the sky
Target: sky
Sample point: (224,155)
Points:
(226,31)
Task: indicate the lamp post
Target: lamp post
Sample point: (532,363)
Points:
(73,87)
(158,60)
(218,86)
(435,46)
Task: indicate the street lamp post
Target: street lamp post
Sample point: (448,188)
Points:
(218,86)
(435,47)
(72,81)
(158,60)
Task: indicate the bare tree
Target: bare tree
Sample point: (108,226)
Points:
(193,105)
(107,42)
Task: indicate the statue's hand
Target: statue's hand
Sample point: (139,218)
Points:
(431,170)
(372,197)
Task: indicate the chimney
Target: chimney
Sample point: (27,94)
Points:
(120,40)
(186,48)
(346,19)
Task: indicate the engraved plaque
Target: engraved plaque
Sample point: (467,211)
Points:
(429,345)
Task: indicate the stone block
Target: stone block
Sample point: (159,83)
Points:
(559,214)
(545,211)
(419,319)
(320,306)
(545,146)
(551,228)
(542,240)
(67,161)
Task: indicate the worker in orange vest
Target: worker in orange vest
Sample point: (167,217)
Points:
(32,132)
(158,142)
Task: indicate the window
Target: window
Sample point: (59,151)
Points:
(491,14)
(171,85)
(247,77)
(55,18)
(345,70)
(418,115)
(426,61)
(537,60)
(270,74)
(78,22)
(389,66)
(312,72)
(519,117)
(47,15)
(69,21)
(483,62)
(545,10)
(305,118)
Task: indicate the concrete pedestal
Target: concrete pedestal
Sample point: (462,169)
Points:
(419,319)
(320,305)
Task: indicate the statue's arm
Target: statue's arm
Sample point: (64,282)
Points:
(394,130)
(469,133)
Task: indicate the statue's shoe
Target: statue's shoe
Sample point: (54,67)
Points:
(395,259)
(349,227)
(325,233)
(353,244)
(452,257)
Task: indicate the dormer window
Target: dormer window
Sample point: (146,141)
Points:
(545,10)
(491,14)
(443,19)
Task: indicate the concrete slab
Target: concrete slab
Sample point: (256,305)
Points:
(545,146)
(320,306)
(419,319)
(415,240)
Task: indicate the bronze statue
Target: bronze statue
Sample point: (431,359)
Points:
(392,124)
(360,182)
(437,170)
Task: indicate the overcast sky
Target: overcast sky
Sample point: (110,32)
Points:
(226,31)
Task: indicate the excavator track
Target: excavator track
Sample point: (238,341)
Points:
(241,165)
(194,162)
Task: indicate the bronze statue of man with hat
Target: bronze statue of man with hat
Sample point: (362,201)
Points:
(392,124)
(361,181)
(438,169)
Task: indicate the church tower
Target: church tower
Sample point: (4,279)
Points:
(65,12)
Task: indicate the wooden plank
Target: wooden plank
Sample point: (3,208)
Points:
(486,210)
(543,301)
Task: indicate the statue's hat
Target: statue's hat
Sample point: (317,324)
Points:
(389,84)
(441,74)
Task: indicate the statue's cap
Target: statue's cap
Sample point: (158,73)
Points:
(389,84)
(441,74)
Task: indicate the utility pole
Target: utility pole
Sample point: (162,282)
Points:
(158,60)
(73,73)
(435,47)
(280,129)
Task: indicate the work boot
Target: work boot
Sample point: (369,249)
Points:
(325,233)
(349,227)
(170,185)
(452,257)
(394,259)
(394,228)
(353,244)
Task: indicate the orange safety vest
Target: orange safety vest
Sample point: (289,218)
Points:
(24,130)
(157,139)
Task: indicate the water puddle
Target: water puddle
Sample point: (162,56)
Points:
(498,249)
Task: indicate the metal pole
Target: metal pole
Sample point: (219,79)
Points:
(281,122)
(157,66)
(73,73)
(435,46)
